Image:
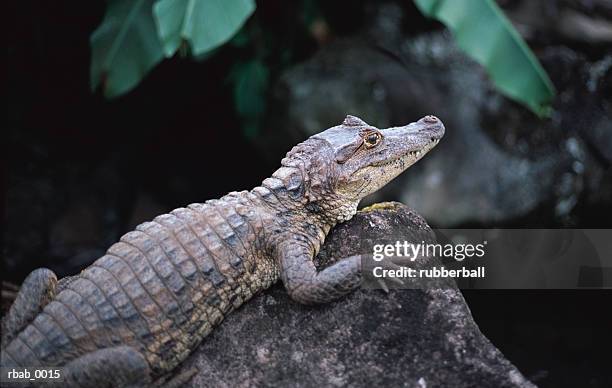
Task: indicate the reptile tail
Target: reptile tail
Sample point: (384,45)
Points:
(51,339)
(6,361)
(18,352)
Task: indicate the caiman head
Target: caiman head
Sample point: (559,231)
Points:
(339,166)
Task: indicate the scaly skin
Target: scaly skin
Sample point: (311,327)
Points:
(137,312)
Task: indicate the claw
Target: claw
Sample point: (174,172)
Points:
(392,266)
(383,285)
(397,281)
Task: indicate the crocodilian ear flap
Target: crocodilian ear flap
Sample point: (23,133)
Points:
(346,151)
(353,121)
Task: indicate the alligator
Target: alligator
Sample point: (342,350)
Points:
(138,311)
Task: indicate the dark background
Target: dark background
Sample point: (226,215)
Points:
(82,170)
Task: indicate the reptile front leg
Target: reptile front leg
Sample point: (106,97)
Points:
(307,285)
(37,290)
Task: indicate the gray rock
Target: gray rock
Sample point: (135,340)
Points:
(408,338)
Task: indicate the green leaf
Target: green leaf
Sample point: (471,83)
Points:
(205,24)
(482,30)
(250,81)
(124,47)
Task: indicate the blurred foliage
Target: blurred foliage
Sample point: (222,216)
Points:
(203,24)
(250,86)
(485,34)
(135,35)
(124,47)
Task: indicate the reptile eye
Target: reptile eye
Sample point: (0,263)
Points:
(372,139)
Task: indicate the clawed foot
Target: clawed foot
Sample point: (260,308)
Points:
(382,282)
(395,264)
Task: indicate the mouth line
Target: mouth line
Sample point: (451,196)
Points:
(416,154)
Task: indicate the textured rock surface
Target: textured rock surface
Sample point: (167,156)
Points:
(407,338)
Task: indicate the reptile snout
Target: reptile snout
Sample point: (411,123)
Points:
(432,126)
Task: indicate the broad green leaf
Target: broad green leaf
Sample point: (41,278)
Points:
(250,81)
(124,47)
(205,24)
(485,34)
